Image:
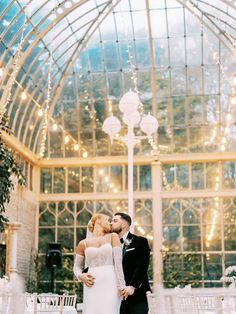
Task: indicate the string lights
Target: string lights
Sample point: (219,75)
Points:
(223,129)
(15,64)
(215,209)
(133,71)
(55,125)
(45,122)
(1,71)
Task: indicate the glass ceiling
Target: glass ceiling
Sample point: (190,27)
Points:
(182,54)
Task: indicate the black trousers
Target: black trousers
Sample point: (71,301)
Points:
(139,308)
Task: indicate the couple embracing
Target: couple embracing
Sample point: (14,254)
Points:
(116,280)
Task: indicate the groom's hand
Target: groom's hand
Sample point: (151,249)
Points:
(129,290)
(87,279)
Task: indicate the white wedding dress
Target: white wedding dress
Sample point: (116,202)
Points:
(105,264)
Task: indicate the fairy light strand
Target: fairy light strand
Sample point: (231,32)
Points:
(134,78)
(15,63)
(216,58)
(48,100)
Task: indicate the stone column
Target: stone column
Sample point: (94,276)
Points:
(157,223)
(13,228)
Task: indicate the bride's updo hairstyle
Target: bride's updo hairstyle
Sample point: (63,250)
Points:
(99,218)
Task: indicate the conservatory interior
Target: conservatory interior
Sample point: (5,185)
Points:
(72,75)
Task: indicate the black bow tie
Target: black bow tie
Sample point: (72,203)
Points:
(121,240)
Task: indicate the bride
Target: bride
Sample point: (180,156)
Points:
(104,283)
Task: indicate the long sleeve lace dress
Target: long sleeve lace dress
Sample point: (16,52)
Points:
(105,264)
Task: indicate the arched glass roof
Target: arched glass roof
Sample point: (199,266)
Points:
(182,54)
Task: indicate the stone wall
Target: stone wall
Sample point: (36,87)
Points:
(23,208)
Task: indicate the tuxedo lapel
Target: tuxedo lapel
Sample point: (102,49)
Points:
(126,247)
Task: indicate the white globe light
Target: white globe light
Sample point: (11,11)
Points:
(111,126)
(132,119)
(129,102)
(149,124)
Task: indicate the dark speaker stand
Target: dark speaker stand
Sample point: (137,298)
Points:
(53,278)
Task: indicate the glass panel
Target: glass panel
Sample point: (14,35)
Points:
(229,175)
(87,180)
(181,270)
(83,218)
(230,260)
(168,176)
(229,210)
(47,219)
(66,238)
(66,271)
(65,219)
(212,236)
(191,238)
(182,177)
(179,110)
(102,179)
(80,234)
(211,174)
(190,217)
(45,236)
(171,216)
(170,238)
(180,139)
(116,179)
(46,181)
(194,77)
(195,109)
(73,180)
(212,267)
(59,180)
(198,176)
(145,178)
(230,237)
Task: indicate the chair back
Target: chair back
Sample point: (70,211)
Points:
(69,300)
(46,303)
(191,301)
(152,303)
(49,303)
(184,304)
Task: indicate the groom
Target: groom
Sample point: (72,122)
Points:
(136,255)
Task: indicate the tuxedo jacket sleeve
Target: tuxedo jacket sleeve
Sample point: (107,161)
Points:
(142,262)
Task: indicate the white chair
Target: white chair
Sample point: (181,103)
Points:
(43,303)
(184,304)
(191,301)
(49,303)
(69,300)
(152,303)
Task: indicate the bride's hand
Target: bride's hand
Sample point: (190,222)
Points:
(121,293)
(127,291)
(87,279)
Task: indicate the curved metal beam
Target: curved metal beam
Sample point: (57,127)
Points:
(62,81)
(221,36)
(43,89)
(228,3)
(37,40)
(42,50)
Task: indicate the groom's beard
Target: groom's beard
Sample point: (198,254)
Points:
(116,230)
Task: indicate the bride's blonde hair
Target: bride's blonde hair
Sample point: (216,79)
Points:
(93,220)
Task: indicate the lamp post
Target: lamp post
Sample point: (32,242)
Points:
(128,105)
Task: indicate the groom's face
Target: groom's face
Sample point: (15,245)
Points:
(117,224)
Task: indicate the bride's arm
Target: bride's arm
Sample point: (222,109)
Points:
(117,257)
(86,278)
(79,260)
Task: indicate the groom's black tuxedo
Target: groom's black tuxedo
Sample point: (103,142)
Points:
(136,256)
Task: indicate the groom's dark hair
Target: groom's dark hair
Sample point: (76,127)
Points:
(125,216)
